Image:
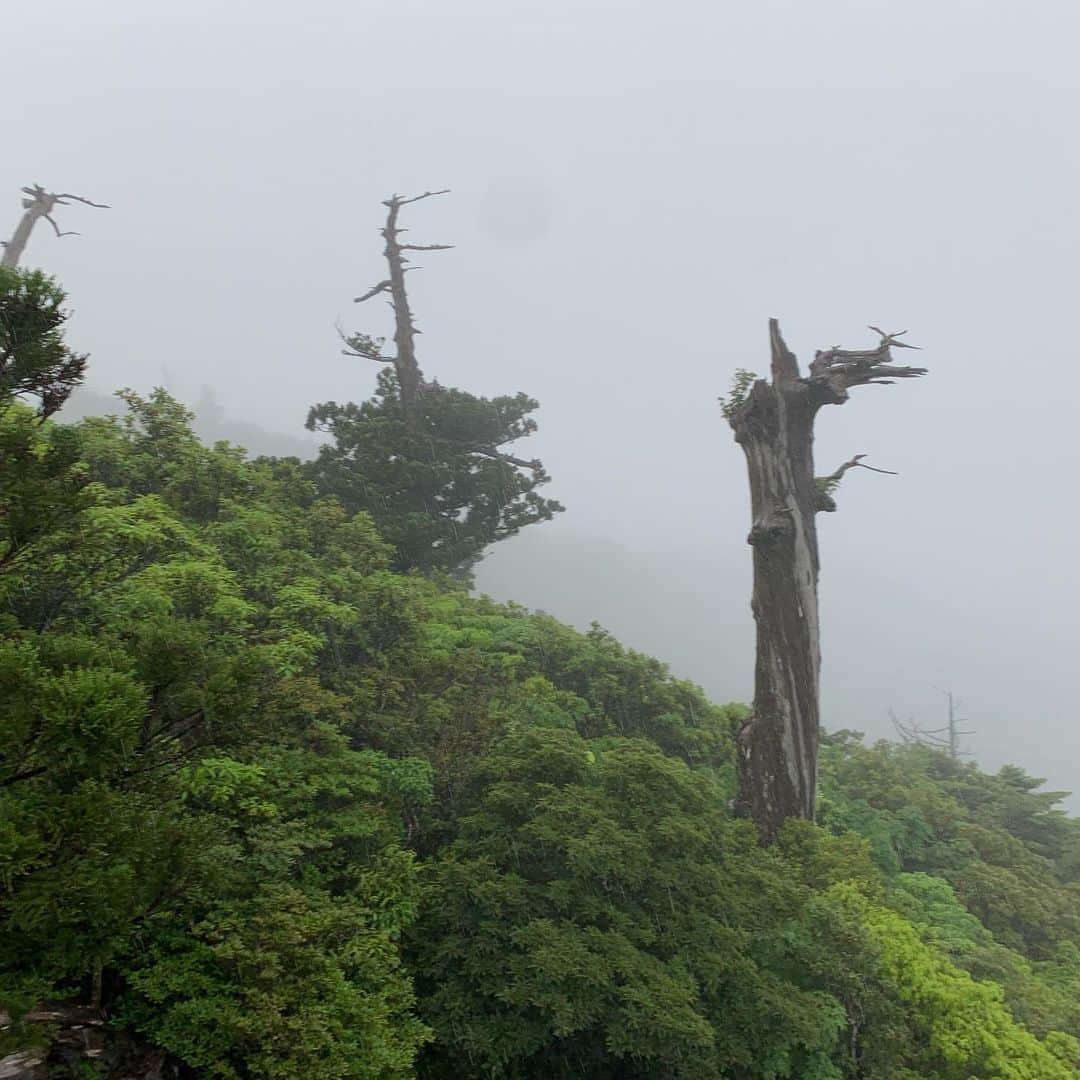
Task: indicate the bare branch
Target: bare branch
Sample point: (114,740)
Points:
(56,228)
(383,286)
(841,369)
(399,200)
(913,733)
(890,339)
(535,465)
(26,774)
(424,247)
(363,346)
(827,485)
(79,198)
(855,463)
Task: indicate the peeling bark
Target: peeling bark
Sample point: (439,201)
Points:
(777,747)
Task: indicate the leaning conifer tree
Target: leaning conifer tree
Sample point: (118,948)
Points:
(428,462)
(773,421)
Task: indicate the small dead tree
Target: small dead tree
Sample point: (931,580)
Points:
(410,377)
(946,738)
(37,204)
(773,421)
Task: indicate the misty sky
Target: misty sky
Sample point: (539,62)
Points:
(637,187)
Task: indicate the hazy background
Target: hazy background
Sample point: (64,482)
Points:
(637,187)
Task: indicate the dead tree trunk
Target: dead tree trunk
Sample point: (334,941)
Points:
(777,746)
(410,377)
(37,204)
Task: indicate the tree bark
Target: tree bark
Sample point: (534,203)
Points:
(777,746)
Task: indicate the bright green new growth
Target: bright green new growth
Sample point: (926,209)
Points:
(827,485)
(741,382)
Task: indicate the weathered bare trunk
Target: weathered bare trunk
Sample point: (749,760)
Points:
(15,247)
(410,377)
(37,204)
(777,746)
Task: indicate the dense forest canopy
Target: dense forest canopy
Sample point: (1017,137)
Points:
(277,808)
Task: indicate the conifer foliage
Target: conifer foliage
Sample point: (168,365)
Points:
(34,358)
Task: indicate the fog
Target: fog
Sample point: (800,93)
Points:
(636,188)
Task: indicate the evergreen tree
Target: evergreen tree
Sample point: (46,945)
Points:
(34,358)
(429,463)
(440,491)
(41,480)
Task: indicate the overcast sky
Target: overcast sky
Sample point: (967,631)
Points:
(637,187)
